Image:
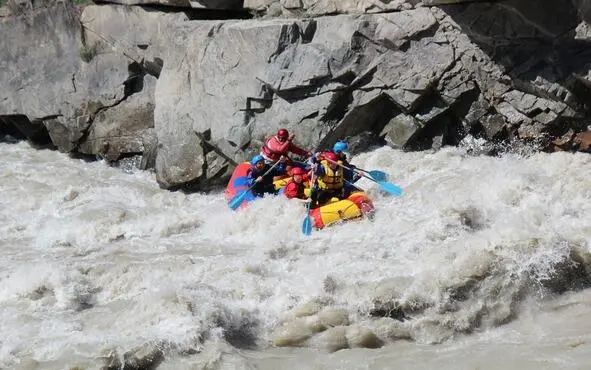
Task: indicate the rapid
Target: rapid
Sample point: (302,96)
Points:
(484,263)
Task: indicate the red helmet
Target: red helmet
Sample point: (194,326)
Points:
(282,133)
(298,171)
(331,157)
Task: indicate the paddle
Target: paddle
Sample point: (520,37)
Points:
(386,186)
(307,224)
(353,185)
(236,201)
(377,175)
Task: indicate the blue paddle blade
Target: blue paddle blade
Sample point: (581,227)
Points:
(235,202)
(390,188)
(378,175)
(307,226)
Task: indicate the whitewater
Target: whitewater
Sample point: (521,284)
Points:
(484,263)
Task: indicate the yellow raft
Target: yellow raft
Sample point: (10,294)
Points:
(356,206)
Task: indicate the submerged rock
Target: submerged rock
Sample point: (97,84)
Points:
(360,337)
(331,340)
(296,332)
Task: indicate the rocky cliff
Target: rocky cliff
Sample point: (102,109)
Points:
(190,91)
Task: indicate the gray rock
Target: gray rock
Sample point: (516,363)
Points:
(51,36)
(552,18)
(298,67)
(530,131)
(147,356)
(494,126)
(292,4)
(407,76)
(512,116)
(400,129)
(395,29)
(95,90)
(475,111)
(583,31)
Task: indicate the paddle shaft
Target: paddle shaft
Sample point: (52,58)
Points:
(307,225)
(350,169)
(353,185)
(237,200)
(265,174)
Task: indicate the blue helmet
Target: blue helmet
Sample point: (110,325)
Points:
(340,146)
(256,159)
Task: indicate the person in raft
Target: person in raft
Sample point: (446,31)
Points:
(280,145)
(263,184)
(330,180)
(351,175)
(295,187)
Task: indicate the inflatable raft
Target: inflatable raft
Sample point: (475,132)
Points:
(239,183)
(356,206)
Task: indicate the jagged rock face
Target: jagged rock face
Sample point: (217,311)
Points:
(537,50)
(324,7)
(512,18)
(91,87)
(198,4)
(323,79)
(494,23)
(273,8)
(122,77)
(37,51)
(202,95)
(411,77)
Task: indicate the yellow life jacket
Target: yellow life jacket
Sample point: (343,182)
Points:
(332,180)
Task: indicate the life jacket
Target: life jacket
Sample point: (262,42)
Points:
(332,180)
(272,149)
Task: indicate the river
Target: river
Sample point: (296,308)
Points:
(483,263)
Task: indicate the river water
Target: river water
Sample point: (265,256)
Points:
(482,264)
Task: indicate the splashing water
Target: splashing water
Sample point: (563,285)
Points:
(475,257)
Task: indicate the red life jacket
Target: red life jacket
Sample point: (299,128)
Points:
(272,149)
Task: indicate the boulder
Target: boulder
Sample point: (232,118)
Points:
(237,82)
(92,88)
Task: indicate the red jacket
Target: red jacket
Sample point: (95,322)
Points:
(294,190)
(273,149)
